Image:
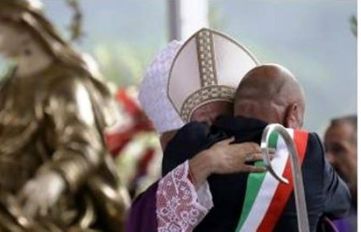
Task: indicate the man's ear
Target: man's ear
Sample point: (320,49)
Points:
(292,116)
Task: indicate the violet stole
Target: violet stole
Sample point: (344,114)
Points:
(142,216)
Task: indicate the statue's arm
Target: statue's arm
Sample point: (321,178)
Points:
(72,132)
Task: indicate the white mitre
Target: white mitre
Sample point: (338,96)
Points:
(207,68)
(153,91)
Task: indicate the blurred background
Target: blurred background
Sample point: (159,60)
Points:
(315,39)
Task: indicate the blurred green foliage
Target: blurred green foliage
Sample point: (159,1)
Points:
(216,18)
(353,21)
(122,63)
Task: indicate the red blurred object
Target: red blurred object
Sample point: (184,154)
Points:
(119,138)
(144,162)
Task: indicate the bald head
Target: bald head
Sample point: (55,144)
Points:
(271,93)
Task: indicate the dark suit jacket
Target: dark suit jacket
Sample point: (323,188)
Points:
(326,193)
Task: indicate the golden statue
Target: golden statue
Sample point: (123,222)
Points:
(55,172)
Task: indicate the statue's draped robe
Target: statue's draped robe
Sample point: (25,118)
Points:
(51,121)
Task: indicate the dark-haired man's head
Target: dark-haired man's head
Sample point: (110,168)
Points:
(271,93)
(341,149)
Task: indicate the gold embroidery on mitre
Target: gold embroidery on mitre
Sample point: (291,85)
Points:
(206,94)
(206,62)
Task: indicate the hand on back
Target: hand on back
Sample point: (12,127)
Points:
(230,158)
(225,158)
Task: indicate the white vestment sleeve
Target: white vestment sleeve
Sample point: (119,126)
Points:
(180,207)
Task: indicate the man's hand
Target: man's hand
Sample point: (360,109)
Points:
(40,193)
(225,158)
(230,158)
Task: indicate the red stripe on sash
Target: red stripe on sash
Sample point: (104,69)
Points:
(284,191)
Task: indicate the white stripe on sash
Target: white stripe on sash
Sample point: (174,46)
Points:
(268,188)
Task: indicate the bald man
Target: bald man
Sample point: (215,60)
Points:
(256,202)
(272,94)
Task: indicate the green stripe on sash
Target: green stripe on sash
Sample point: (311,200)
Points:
(254,183)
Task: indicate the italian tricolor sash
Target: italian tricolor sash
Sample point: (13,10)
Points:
(265,196)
